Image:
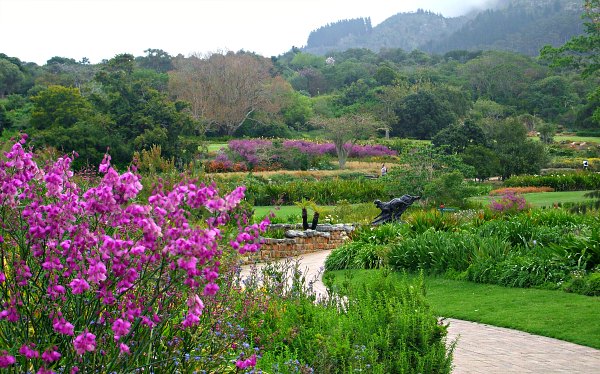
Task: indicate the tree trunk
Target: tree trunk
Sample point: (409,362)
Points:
(315,221)
(304,219)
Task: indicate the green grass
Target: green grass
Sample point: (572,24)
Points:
(215,147)
(283,211)
(556,314)
(573,138)
(547,199)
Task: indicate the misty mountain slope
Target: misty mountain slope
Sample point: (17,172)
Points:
(514,25)
(403,30)
(522,26)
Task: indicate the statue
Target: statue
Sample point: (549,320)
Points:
(393,209)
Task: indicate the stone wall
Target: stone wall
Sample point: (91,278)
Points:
(298,242)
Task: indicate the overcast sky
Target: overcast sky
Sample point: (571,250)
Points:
(36,30)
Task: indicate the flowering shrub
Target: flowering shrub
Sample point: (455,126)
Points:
(264,155)
(252,151)
(95,281)
(509,203)
(356,150)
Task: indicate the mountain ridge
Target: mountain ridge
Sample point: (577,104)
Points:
(522,26)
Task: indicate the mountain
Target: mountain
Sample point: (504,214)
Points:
(513,25)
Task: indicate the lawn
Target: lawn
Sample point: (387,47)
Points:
(544,199)
(556,314)
(284,211)
(214,147)
(574,138)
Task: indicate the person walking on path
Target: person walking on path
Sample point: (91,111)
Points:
(383,170)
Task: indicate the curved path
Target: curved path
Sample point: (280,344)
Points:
(484,349)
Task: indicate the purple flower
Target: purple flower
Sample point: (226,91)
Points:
(62,326)
(51,355)
(97,272)
(79,286)
(6,360)
(85,342)
(244,364)
(120,327)
(28,351)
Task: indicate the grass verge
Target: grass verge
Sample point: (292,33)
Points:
(555,314)
(543,199)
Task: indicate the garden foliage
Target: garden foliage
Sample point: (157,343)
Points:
(537,248)
(383,326)
(559,182)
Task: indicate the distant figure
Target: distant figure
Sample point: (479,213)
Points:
(585,165)
(383,170)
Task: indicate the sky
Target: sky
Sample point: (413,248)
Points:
(36,30)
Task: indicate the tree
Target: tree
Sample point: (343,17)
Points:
(457,137)
(547,131)
(59,106)
(345,131)
(10,77)
(223,89)
(582,51)
(157,60)
(421,115)
(141,116)
(517,153)
(485,161)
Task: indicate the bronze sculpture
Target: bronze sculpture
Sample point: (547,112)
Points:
(393,209)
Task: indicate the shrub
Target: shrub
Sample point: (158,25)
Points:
(383,326)
(368,250)
(437,252)
(560,182)
(509,204)
(95,281)
(420,221)
(520,270)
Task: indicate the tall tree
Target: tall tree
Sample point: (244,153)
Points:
(345,131)
(517,154)
(10,77)
(141,115)
(223,89)
(582,52)
(422,115)
(59,106)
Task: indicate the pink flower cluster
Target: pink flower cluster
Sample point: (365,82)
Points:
(509,202)
(254,151)
(99,265)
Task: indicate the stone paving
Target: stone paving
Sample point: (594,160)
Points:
(484,349)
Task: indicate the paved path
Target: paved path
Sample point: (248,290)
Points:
(484,349)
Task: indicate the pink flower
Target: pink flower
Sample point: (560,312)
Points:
(62,326)
(51,355)
(79,286)
(190,320)
(10,314)
(6,360)
(124,348)
(85,342)
(211,289)
(97,272)
(249,362)
(120,327)
(105,165)
(28,351)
